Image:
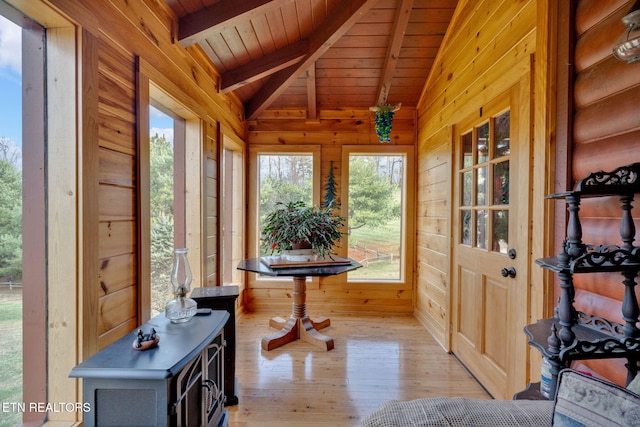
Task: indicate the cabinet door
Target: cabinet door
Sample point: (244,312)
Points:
(213,404)
(186,395)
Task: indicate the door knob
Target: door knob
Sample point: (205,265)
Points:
(508,272)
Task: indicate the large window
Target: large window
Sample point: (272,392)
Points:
(378,202)
(166,178)
(10,218)
(283,174)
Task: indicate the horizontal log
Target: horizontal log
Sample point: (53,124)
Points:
(610,77)
(591,12)
(605,154)
(612,116)
(597,305)
(597,43)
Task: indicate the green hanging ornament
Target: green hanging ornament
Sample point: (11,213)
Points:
(384,120)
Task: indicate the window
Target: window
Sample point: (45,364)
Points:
(166,178)
(170,161)
(379,198)
(11,280)
(282,174)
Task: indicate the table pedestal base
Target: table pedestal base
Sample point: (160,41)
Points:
(298,326)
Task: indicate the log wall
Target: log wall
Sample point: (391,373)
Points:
(606,134)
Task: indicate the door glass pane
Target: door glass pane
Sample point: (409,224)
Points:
(465,226)
(467,150)
(502,141)
(376,203)
(481,186)
(467,190)
(501,183)
(482,144)
(500,231)
(482,235)
(283,178)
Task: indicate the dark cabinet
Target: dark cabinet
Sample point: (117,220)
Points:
(572,335)
(224,298)
(178,383)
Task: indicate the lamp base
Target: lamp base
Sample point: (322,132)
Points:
(181,310)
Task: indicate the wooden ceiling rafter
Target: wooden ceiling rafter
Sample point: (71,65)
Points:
(320,41)
(195,27)
(403,13)
(265,66)
(312,110)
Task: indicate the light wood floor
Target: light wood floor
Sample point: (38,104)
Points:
(375,359)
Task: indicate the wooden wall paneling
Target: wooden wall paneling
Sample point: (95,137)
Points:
(212,174)
(115,168)
(433,226)
(90,171)
(150,39)
(505,33)
(117,273)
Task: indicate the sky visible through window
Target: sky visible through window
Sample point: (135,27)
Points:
(11,84)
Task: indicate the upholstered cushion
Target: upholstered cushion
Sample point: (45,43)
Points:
(582,400)
(458,411)
(634,385)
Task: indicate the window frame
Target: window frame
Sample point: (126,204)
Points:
(151,88)
(253,232)
(408,241)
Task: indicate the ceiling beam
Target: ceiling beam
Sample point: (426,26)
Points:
(195,26)
(403,13)
(349,12)
(265,66)
(312,110)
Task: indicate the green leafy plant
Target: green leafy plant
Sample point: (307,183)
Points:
(294,224)
(384,121)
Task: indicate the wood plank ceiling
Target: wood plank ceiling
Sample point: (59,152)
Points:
(317,54)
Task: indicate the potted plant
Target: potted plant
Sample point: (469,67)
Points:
(297,226)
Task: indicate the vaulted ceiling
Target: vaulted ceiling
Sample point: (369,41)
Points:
(317,54)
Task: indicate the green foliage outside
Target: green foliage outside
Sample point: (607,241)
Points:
(10,216)
(11,353)
(371,194)
(161,210)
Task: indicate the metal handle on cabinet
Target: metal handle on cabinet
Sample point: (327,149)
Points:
(508,272)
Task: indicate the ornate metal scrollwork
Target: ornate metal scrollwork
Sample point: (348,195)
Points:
(600,324)
(606,255)
(623,176)
(608,346)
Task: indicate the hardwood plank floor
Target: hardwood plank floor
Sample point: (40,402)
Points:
(375,359)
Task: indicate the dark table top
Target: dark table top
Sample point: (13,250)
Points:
(255,265)
(179,343)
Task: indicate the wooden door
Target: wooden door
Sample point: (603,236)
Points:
(490,232)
